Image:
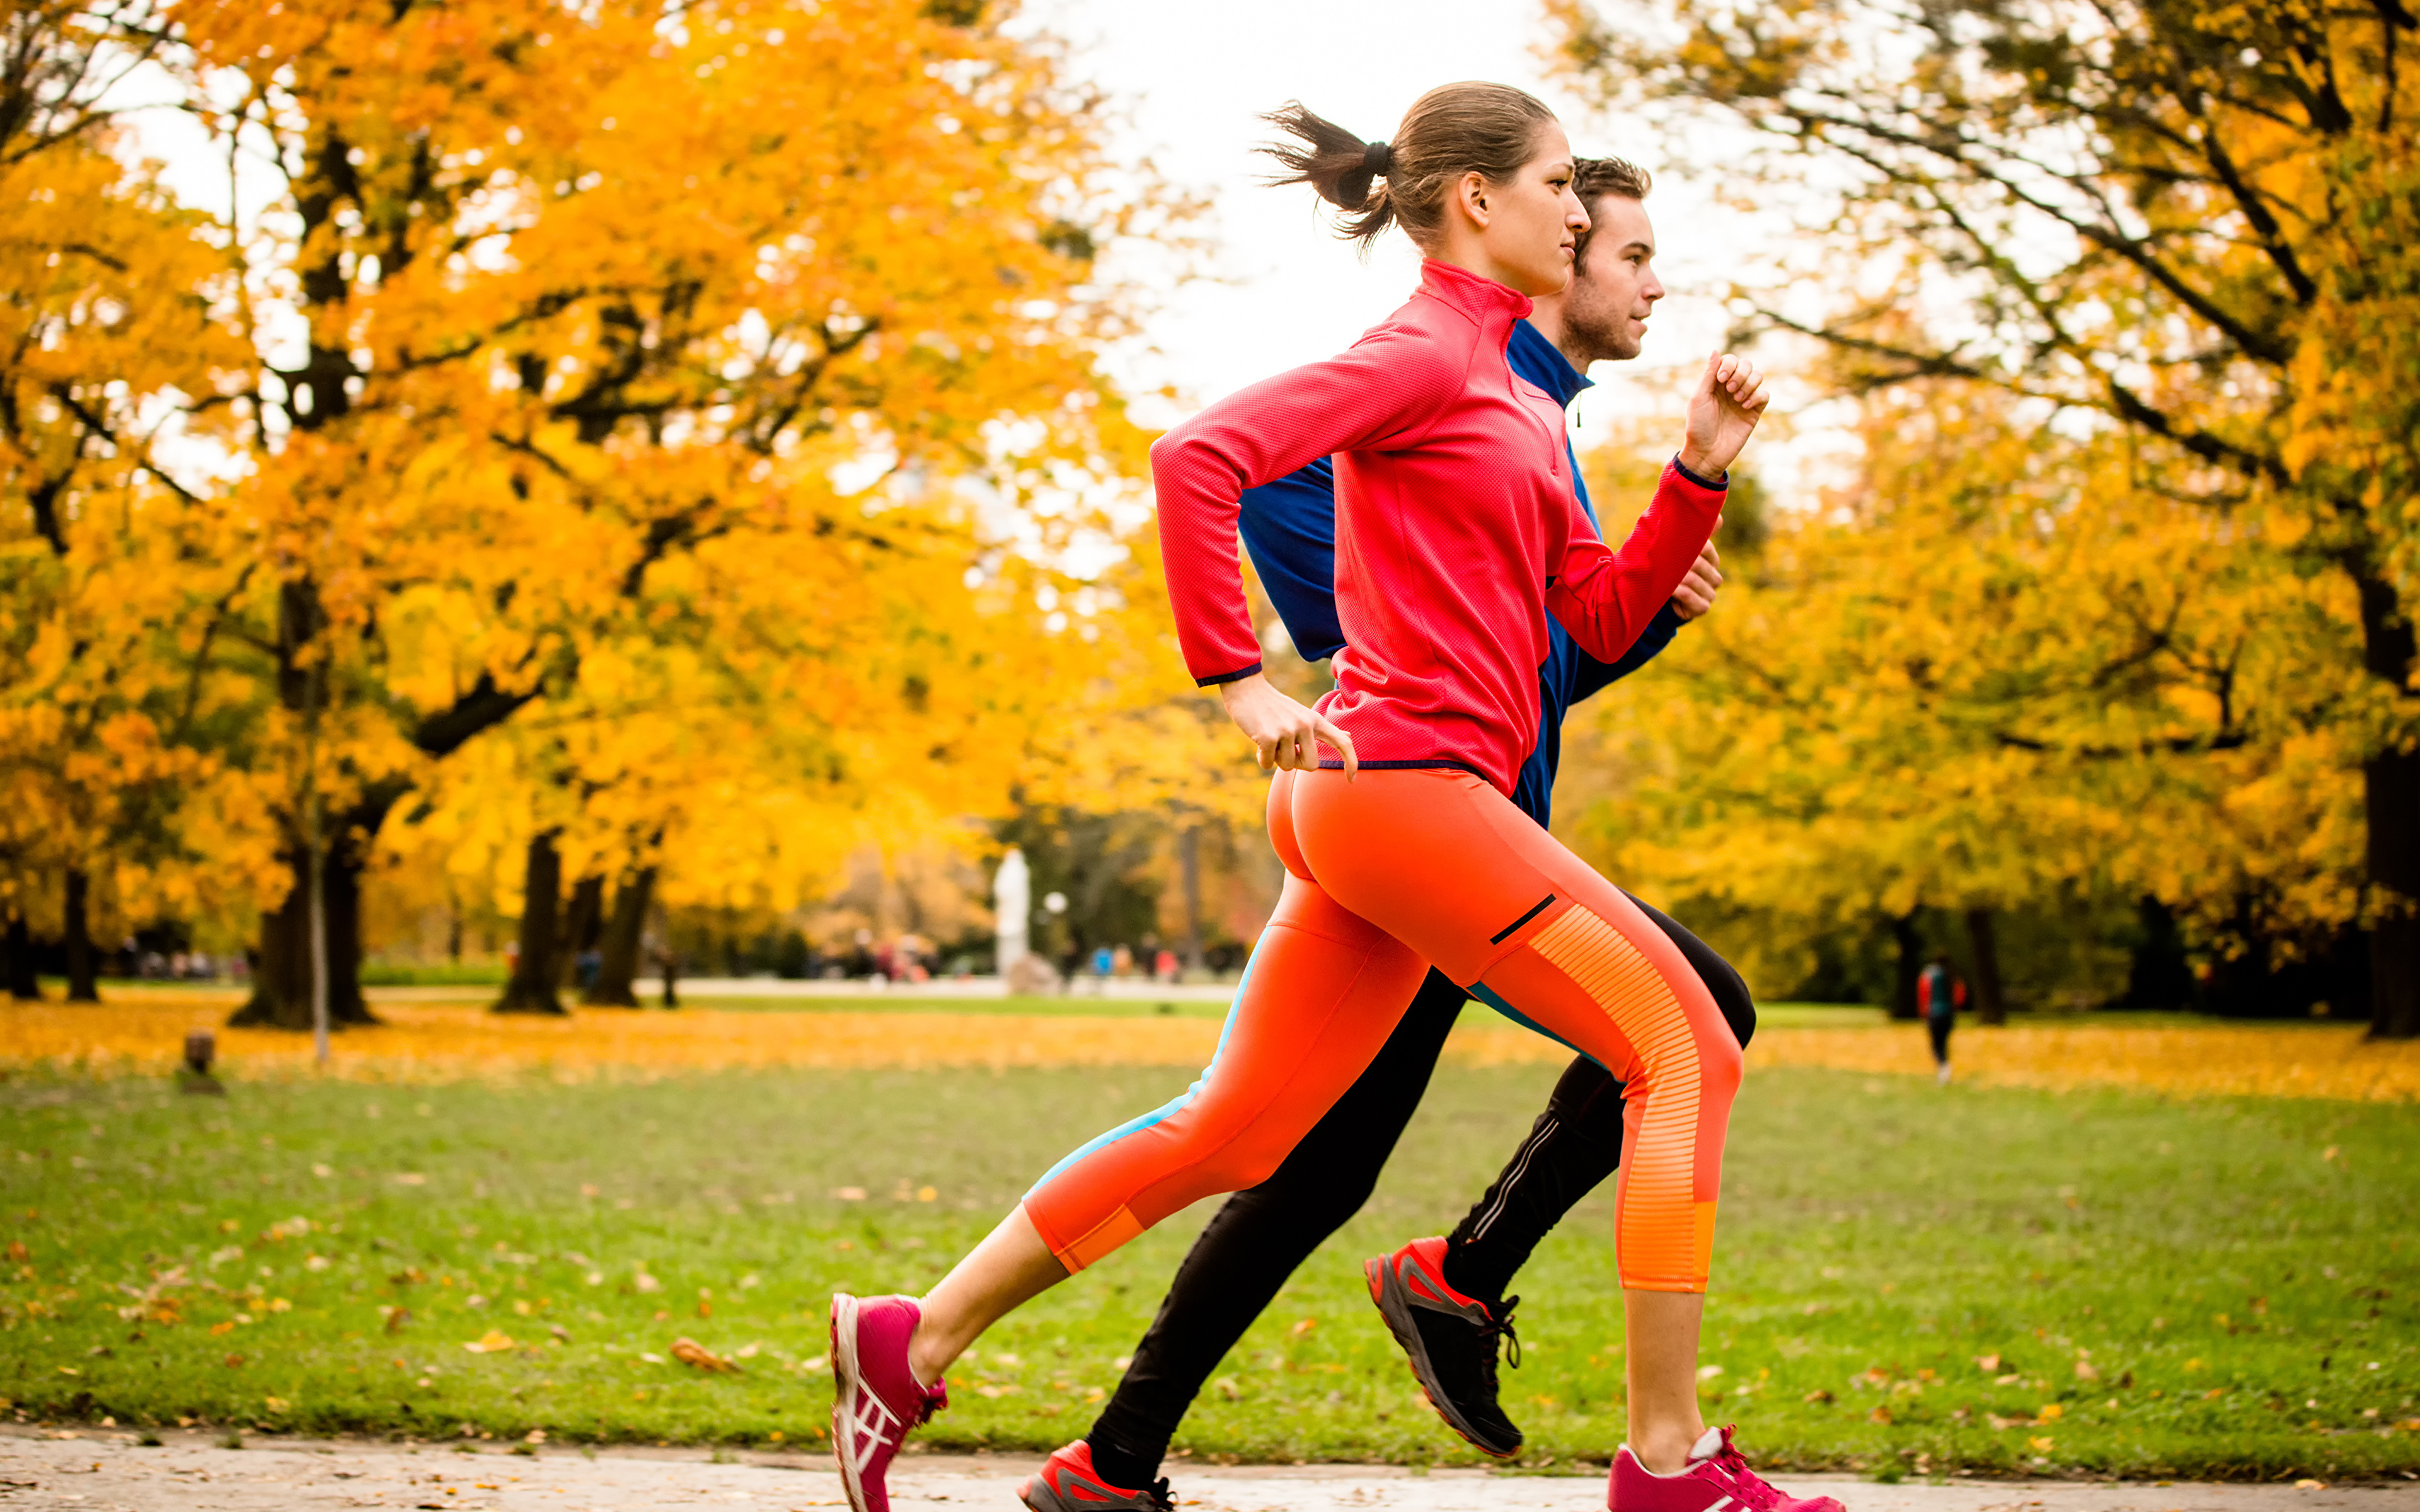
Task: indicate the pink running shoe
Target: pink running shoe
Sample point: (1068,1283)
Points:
(1068,1483)
(879,1398)
(1717,1480)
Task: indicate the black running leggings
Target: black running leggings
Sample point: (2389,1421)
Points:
(1260,1235)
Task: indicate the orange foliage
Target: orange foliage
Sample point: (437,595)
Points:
(447,1042)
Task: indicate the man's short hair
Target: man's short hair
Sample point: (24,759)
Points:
(1592,178)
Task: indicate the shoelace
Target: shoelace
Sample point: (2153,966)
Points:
(1500,1326)
(1748,1488)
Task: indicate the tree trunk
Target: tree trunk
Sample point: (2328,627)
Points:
(21,984)
(2159,974)
(83,984)
(280,993)
(532,987)
(583,923)
(1989,1006)
(1910,965)
(668,959)
(625,930)
(2390,791)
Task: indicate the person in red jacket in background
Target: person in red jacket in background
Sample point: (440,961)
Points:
(1939,993)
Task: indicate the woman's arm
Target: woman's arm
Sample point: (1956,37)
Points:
(1384,390)
(1605,597)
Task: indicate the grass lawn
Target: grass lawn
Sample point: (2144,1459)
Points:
(1909,1280)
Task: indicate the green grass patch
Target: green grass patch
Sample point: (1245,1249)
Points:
(444,973)
(2197,1288)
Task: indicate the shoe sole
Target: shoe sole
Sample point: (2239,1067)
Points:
(846,1386)
(1039,1496)
(1394,1303)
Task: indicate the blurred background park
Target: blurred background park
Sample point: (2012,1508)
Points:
(514,511)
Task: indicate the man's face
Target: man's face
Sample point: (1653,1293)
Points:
(1615,289)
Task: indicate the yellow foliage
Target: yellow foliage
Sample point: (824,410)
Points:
(2002,669)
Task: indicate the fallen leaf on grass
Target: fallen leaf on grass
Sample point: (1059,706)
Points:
(691,1353)
(494,1341)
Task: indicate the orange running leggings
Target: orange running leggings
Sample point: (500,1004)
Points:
(1387,874)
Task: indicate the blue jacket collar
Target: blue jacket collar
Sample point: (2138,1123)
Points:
(1536,359)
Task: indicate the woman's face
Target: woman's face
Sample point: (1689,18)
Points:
(1529,227)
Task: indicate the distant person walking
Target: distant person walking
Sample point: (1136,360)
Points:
(1939,993)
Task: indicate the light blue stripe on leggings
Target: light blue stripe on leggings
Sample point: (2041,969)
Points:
(1489,998)
(1173,1106)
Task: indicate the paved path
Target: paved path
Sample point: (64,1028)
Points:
(107,1471)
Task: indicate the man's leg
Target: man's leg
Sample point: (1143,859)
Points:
(1261,1236)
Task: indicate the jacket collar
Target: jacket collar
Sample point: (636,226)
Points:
(1494,306)
(1543,363)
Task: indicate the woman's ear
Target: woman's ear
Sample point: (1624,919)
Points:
(1470,196)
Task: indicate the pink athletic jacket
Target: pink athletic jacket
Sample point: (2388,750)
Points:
(1456,530)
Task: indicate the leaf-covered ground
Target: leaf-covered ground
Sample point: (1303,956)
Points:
(1909,1280)
(141,1032)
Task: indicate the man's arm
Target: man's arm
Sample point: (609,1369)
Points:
(1695,597)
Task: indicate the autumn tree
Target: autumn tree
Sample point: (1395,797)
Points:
(2188,221)
(111,337)
(1996,672)
(639,341)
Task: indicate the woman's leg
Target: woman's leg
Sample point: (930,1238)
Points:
(1254,1242)
(1320,996)
(1573,1146)
(1451,868)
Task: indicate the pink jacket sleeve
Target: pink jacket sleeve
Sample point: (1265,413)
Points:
(1379,394)
(1605,597)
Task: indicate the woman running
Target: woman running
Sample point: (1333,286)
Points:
(1457,535)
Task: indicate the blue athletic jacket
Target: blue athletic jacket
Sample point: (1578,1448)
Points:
(1289,527)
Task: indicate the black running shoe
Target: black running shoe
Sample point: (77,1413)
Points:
(1451,1341)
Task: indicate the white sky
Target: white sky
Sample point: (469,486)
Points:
(1193,79)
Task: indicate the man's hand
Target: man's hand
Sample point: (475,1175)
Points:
(1697,592)
(1730,400)
(1285,734)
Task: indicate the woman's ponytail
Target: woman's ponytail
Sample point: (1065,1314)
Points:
(1489,129)
(1337,164)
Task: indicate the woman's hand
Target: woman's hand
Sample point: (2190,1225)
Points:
(1286,734)
(1730,400)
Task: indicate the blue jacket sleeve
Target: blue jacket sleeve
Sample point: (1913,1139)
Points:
(1594,676)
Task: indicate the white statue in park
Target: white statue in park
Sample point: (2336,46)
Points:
(1012,901)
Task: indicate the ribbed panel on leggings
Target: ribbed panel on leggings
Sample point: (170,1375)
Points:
(1659,1226)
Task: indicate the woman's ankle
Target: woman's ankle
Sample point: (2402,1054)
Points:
(929,1353)
(1663,1448)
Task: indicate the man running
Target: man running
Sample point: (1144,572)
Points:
(1443,1298)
